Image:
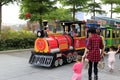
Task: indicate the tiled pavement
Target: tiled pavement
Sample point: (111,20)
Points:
(14,66)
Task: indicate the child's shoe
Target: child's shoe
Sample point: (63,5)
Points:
(111,70)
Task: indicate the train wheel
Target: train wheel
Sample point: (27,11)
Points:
(69,58)
(74,55)
(56,63)
(61,62)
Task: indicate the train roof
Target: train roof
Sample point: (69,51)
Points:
(65,22)
(108,19)
(110,28)
(93,24)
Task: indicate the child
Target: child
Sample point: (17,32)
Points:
(77,68)
(111,58)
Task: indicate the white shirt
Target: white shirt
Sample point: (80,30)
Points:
(111,55)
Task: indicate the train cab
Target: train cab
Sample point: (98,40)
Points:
(77,32)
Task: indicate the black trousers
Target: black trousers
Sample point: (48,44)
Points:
(95,68)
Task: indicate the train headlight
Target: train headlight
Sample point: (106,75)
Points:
(38,33)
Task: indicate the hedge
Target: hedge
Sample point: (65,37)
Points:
(17,40)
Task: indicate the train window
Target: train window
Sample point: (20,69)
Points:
(73,31)
(107,34)
(113,33)
(59,28)
(102,33)
(117,33)
(66,29)
(79,30)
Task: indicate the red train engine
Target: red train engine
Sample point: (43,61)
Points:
(56,49)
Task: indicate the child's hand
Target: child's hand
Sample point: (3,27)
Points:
(102,55)
(105,53)
(83,56)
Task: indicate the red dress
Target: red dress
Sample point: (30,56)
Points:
(94,45)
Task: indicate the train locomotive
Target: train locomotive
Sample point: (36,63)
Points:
(55,49)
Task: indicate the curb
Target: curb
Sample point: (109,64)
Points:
(18,50)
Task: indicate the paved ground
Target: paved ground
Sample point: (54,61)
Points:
(14,66)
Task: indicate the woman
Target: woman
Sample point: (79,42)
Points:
(94,45)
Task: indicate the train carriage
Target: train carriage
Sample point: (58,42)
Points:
(54,49)
(111,35)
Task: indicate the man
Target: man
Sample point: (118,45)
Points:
(94,45)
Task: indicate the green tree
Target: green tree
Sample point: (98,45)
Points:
(37,8)
(94,7)
(111,2)
(75,5)
(117,9)
(58,14)
(4,2)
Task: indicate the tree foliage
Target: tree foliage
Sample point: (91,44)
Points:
(111,2)
(37,8)
(75,5)
(117,9)
(58,14)
(94,7)
(5,2)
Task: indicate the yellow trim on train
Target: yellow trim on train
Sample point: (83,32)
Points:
(79,37)
(80,48)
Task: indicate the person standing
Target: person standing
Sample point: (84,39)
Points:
(77,68)
(94,45)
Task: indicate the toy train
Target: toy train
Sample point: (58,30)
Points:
(54,50)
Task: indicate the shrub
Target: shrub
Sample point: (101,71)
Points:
(16,40)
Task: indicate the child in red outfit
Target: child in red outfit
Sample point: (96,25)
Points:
(77,68)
